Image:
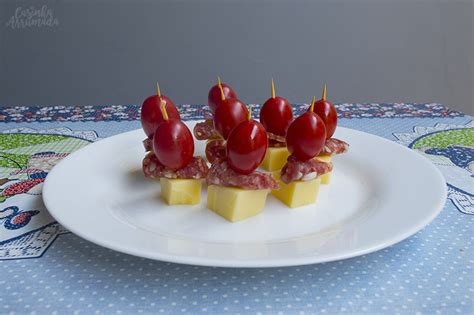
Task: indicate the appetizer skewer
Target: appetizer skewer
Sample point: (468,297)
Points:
(299,179)
(151,115)
(215,94)
(206,130)
(227,114)
(276,115)
(173,163)
(235,190)
(327,111)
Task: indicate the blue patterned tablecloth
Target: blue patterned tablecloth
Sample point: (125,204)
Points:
(47,270)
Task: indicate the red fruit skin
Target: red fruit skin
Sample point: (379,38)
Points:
(306,136)
(173,144)
(326,110)
(214,96)
(246,146)
(151,114)
(228,115)
(276,115)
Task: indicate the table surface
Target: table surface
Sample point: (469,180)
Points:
(46,269)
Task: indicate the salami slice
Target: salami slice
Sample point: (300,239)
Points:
(334,146)
(148,144)
(276,140)
(276,144)
(215,151)
(221,174)
(205,130)
(295,169)
(152,168)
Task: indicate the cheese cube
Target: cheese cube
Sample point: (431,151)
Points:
(181,191)
(275,158)
(326,178)
(297,193)
(235,204)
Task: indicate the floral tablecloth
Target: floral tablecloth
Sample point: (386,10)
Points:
(45,269)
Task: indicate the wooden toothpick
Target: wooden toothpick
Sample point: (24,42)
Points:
(311,108)
(222,93)
(273,89)
(158,92)
(163,110)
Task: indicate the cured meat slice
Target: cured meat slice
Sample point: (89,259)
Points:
(295,169)
(215,151)
(152,168)
(334,146)
(221,174)
(148,144)
(205,130)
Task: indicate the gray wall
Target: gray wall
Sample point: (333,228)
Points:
(112,52)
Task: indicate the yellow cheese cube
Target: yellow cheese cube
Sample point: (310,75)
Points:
(275,158)
(297,193)
(326,178)
(181,191)
(235,204)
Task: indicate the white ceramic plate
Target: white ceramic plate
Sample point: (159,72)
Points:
(380,194)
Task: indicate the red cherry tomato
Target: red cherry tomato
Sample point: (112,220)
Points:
(306,136)
(276,115)
(228,115)
(246,146)
(214,96)
(326,110)
(151,114)
(173,144)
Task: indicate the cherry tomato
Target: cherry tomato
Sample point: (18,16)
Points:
(246,146)
(306,136)
(173,144)
(214,96)
(151,114)
(276,115)
(228,115)
(326,110)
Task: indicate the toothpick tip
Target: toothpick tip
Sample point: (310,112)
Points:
(158,91)
(311,108)
(273,89)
